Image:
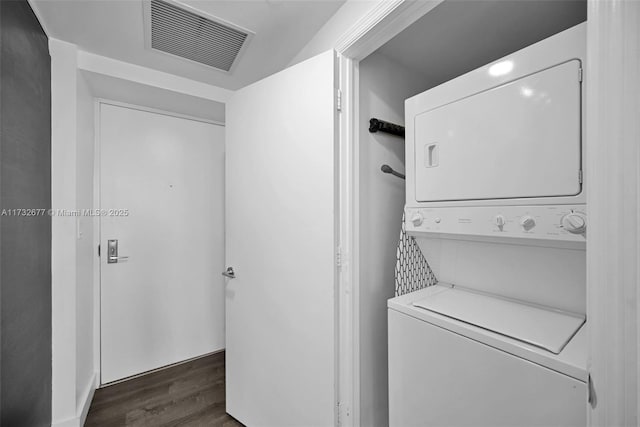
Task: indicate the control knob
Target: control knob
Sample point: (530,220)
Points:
(500,221)
(417,219)
(574,222)
(527,222)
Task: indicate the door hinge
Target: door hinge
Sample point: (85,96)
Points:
(339,100)
(98,249)
(339,257)
(580,75)
(580,176)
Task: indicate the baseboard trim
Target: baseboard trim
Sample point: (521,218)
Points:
(83,405)
(73,422)
(161,368)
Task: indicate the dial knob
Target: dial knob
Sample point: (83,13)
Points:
(500,221)
(574,222)
(417,219)
(527,222)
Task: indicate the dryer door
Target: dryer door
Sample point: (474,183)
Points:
(518,140)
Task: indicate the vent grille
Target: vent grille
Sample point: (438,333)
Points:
(185,34)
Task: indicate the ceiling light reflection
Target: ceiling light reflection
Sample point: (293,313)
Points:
(501,68)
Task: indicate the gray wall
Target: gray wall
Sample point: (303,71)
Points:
(25,242)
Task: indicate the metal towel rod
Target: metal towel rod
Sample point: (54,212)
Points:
(388,169)
(376,125)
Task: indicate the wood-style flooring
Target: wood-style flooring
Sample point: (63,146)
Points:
(190,394)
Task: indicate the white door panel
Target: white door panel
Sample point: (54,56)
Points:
(164,304)
(280,202)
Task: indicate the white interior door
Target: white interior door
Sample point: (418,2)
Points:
(165,303)
(281,205)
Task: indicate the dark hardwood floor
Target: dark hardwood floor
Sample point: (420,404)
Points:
(190,394)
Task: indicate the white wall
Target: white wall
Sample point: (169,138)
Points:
(91,62)
(73,253)
(146,95)
(384,86)
(86,253)
(63,231)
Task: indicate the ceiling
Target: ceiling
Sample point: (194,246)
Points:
(115,28)
(459,36)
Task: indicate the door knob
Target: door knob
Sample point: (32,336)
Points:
(229,273)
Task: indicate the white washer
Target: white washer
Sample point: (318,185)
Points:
(449,372)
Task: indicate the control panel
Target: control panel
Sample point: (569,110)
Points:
(555,222)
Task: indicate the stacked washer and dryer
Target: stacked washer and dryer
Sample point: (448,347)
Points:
(496,202)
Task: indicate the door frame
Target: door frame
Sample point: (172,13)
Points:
(374,29)
(613,194)
(614,338)
(97,173)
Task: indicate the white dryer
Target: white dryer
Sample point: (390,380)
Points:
(496,203)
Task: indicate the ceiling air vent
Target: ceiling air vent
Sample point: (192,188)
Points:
(189,35)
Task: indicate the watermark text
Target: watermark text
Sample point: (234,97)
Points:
(29,212)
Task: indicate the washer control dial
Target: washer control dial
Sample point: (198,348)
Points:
(417,219)
(500,221)
(574,222)
(527,222)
